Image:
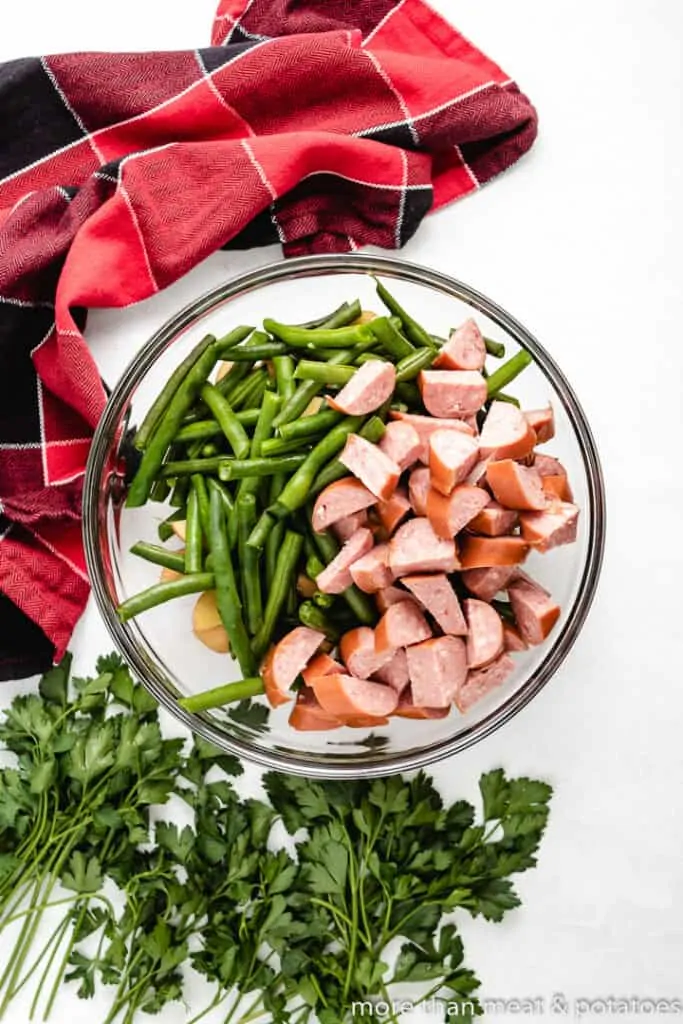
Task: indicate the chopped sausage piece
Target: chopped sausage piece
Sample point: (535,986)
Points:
(340,500)
(395,672)
(371,572)
(391,595)
(506,434)
(401,625)
(393,511)
(348,698)
(512,638)
(358,649)
(346,527)
(426,425)
(477,476)
(482,681)
(548,465)
(485,636)
(515,486)
(542,422)
(494,520)
(451,457)
(401,443)
(535,611)
(370,386)
(437,669)
(336,577)
(485,583)
(464,350)
(546,530)
(419,483)
(321,665)
(557,487)
(449,393)
(407,708)
(435,593)
(308,716)
(364,721)
(449,515)
(371,466)
(482,552)
(286,660)
(416,548)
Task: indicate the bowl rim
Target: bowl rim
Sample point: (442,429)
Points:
(373,763)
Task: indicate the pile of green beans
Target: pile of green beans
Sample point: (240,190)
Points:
(240,459)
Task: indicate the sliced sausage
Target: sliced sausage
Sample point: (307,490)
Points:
(402,624)
(407,708)
(391,595)
(451,457)
(557,487)
(435,593)
(336,577)
(437,668)
(494,520)
(401,443)
(416,548)
(321,665)
(548,465)
(535,611)
(485,583)
(449,515)
(513,639)
(482,552)
(347,697)
(395,672)
(286,660)
(485,636)
(477,476)
(358,648)
(426,425)
(419,484)
(346,527)
(449,393)
(371,572)
(370,386)
(393,511)
(371,466)
(542,422)
(364,721)
(482,681)
(557,525)
(464,350)
(515,486)
(308,716)
(341,499)
(506,434)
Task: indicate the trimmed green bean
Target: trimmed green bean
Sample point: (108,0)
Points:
(261,532)
(413,330)
(501,396)
(159,556)
(238,469)
(202,430)
(409,367)
(358,602)
(504,609)
(313,566)
(227,594)
(409,393)
(238,371)
(160,490)
(274,539)
(296,406)
(308,426)
(284,376)
(276,446)
(495,348)
(249,563)
(345,314)
(249,393)
(372,357)
(262,432)
(194,535)
(267,350)
(165,529)
(508,371)
(228,503)
(318,337)
(391,340)
(199,487)
(209,450)
(235,434)
(181,487)
(323,372)
(372,431)
(314,618)
(160,593)
(221,695)
(324,601)
(285,568)
(187,467)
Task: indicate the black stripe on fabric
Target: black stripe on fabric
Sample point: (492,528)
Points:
(215,57)
(394,135)
(21,329)
(24,648)
(260,231)
(418,203)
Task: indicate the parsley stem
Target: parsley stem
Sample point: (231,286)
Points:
(54,938)
(61,971)
(217,1000)
(389,1002)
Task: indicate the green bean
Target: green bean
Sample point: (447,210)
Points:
(159,556)
(276,534)
(227,594)
(209,450)
(254,353)
(264,428)
(495,348)
(372,357)
(249,392)
(275,446)
(249,563)
(194,535)
(324,601)
(160,490)
(199,487)
(284,376)
(162,592)
(508,371)
(318,337)
(313,566)
(323,372)
(358,602)
(228,504)
(501,396)
(181,487)
(238,371)
(165,529)
(372,431)
(413,330)
(409,367)
(409,393)
(345,314)
(221,695)
(391,340)
(307,426)
(314,618)
(296,406)
(186,467)
(202,430)
(504,609)
(238,469)
(262,531)
(235,434)
(285,568)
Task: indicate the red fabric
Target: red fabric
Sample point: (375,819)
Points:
(323,124)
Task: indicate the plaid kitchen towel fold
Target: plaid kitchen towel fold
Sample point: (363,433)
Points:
(324,126)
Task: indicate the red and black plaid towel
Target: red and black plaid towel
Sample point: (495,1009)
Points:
(324,125)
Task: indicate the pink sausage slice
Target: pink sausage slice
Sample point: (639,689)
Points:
(395,672)
(449,393)
(308,716)
(401,443)
(506,434)
(535,611)
(336,577)
(419,484)
(286,660)
(371,572)
(407,708)
(426,425)
(485,583)
(371,466)
(436,594)
(369,388)
(393,511)
(359,652)
(437,669)
(415,547)
(513,639)
(546,530)
(515,486)
(547,465)
(346,527)
(391,595)
(401,625)
(494,520)
(449,515)
(346,697)
(451,457)
(482,681)
(464,350)
(485,637)
(341,499)
(321,665)
(542,422)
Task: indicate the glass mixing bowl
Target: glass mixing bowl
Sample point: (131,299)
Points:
(160,646)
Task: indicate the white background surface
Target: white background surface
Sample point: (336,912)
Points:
(582,242)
